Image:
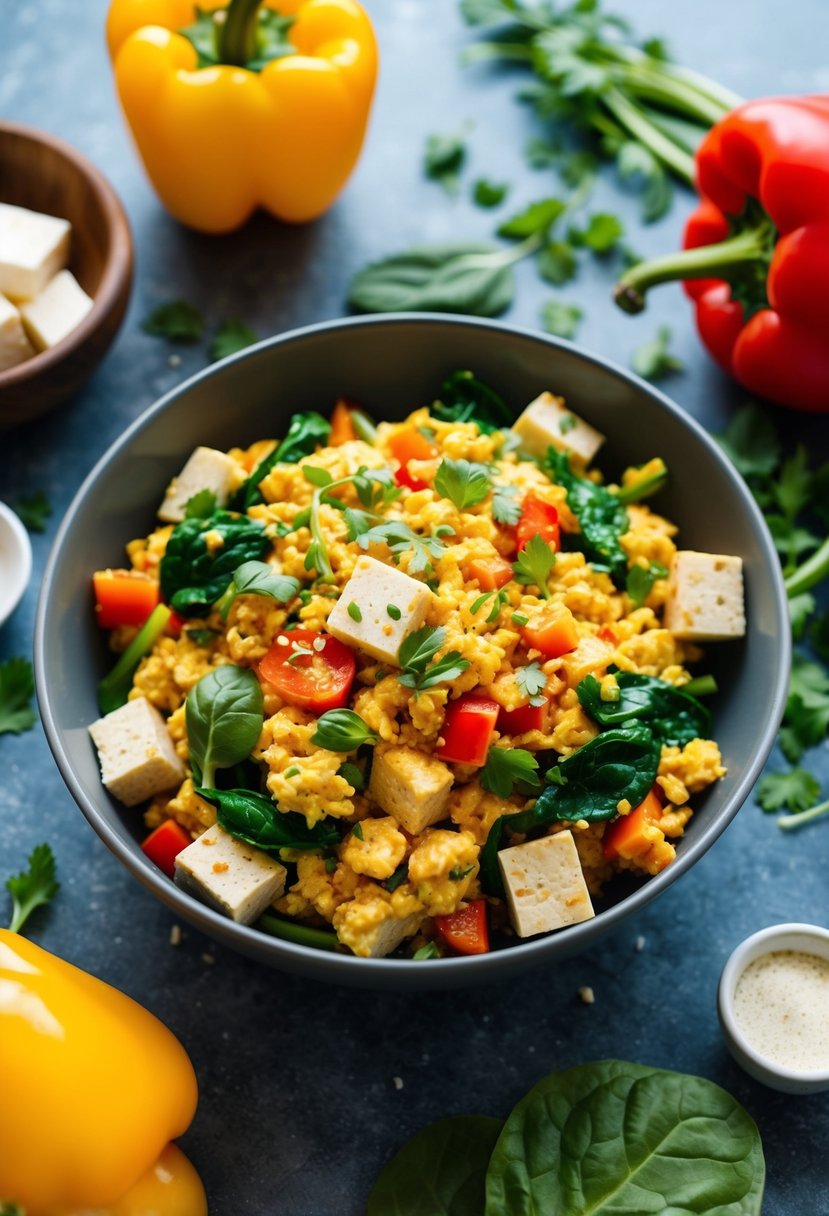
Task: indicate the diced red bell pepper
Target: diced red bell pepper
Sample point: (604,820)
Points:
(491,572)
(402,477)
(518,721)
(465,931)
(468,728)
(608,635)
(163,845)
(553,634)
(123,597)
(538,518)
(410,444)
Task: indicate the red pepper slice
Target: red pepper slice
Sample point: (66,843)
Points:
(123,597)
(538,518)
(465,931)
(310,670)
(165,843)
(518,721)
(468,728)
(402,477)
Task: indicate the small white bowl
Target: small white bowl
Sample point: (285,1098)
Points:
(802,938)
(15,561)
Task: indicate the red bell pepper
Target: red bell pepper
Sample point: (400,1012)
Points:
(519,721)
(468,729)
(123,597)
(538,518)
(465,931)
(165,843)
(410,444)
(756,258)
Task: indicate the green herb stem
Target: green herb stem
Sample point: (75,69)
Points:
(237,35)
(114,689)
(300,935)
(812,572)
(652,83)
(702,686)
(789,822)
(365,428)
(639,126)
(723,260)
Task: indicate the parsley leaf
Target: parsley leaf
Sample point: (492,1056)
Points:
(489,194)
(750,442)
(534,565)
(557,263)
(443,160)
(505,508)
(463,482)
(640,581)
(177,321)
(201,505)
(17,687)
(602,233)
(342,730)
(417,651)
(231,336)
(507,768)
(34,511)
(33,888)
(806,719)
(561,319)
(531,680)
(537,217)
(653,360)
(401,539)
(798,790)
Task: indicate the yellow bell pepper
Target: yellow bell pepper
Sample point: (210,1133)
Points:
(220,140)
(93,1087)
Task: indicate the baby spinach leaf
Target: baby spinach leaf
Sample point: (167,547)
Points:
(443,160)
(194,576)
(342,730)
(306,433)
(464,277)
(603,520)
(465,398)
(256,819)
(614,1137)
(224,715)
(674,716)
(440,1172)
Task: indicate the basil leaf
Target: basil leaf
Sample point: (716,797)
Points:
(306,433)
(193,576)
(468,278)
(440,1172)
(224,716)
(256,819)
(342,730)
(614,1137)
(258,578)
(419,647)
(465,398)
(603,520)
(674,716)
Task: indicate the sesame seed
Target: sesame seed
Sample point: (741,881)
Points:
(175,935)
(318,644)
(282,640)
(397,1082)
(587,996)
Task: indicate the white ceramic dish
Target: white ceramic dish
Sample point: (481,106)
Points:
(801,938)
(15,561)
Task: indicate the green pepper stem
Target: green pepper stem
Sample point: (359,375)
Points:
(810,573)
(788,822)
(237,34)
(719,261)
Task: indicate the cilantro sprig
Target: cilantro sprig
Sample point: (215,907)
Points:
(507,769)
(535,564)
(374,487)
(17,686)
(532,681)
(416,654)
(34,887)
(465,483)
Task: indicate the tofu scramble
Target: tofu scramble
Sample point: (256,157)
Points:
(418,688)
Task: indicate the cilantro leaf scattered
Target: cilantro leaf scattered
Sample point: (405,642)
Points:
(653,360)
(541,153)
(463,482)
(532,681)
(797,790)
(601,234)
(176,320)
(443,160)
(640,581)
(508,768)
(535,218)
(34,888)
(534,565)
(34,510)
(505,506)
(231,336)
(489,194)
(557,263)
(201,506)
(401,539)
(416,653)
(17,686)
(750,442)
(561,319)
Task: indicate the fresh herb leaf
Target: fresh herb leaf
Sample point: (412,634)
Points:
(428,951)
(463,482)
(561,319)
(399,876)
(34,888)
(224,715)
(640,581)
(541,153)
(674,715)
(17,686)
(506,508)
(464,277)
(443,160)
(798,790)
(357,831)
(447,1162)
(316,476)
(342,730)
(177,321)
(114,689)
(306,433)
(465,398)
(201,505)
(601,234)
(531,680)
(255,819)
(638,165)
(194,576)
(535,564)
(603,520)
(231,337)
(417,651)
(653,360)
(647,484)
(507,768)
(401,539)
(202,637)
(34,510)
(806,717)
(750,442)
(257,578)
(353,774)
(557,263)
(489,194)
(818,633)
(536,218)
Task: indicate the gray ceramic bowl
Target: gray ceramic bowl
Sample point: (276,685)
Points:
(392,365)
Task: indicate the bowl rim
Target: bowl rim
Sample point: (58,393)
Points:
(13,526)
(117,267)
(343,968)
(755,946)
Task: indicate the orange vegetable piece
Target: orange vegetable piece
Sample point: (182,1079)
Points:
(410,444)
(552,634)
(491,572)
(342,428)
(636,837)
(124,597)
(465,931)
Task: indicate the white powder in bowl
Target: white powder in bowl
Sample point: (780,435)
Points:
(781,1005)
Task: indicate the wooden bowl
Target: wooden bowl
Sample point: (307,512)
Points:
(41,172)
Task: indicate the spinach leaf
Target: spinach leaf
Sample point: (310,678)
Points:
(440,1172)
(603,520)
(674,716)
(224,716)
(465,398)
(462,277)
(306,433)
(255,819)
(193,576)
(614,1137)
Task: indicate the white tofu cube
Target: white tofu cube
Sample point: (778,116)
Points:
(15,347)
(370,928)
(136,753)
(361,615)
(56,312)
(547,422)
(33,248)
(705,597)
(231,876)
(545,885)
(411,786)
(206,469)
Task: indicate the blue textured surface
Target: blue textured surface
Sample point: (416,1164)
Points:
(306,1090)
